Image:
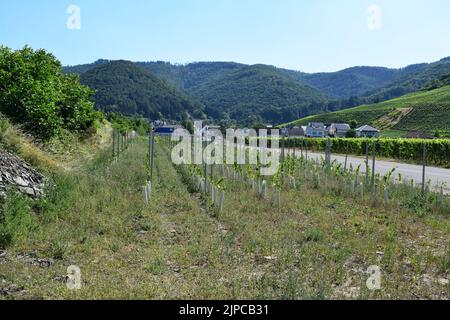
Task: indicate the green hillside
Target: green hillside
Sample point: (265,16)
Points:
(190,76)
(123,87)
(243,94)
(258,93)
(346,83)
(424,110)
(410,79)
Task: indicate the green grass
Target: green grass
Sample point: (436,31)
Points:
(429,111)
(316,245)
(393,134)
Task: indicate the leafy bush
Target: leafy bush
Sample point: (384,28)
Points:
(16,218)
(125,124)
(35,92)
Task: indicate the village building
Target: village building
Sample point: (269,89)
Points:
(338,130)
(296,132)
(316,130)
(367,132)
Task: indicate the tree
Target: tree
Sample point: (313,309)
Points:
(35,92)
(188,125)
(353,124)
(351,133)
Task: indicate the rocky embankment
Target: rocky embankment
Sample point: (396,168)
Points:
(16,173)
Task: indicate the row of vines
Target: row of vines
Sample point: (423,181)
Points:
(437,150)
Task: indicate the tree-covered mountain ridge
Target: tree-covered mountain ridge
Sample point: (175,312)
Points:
(240,93)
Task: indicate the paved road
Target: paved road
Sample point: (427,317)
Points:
(438,176)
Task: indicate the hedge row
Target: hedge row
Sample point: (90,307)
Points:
(438,150)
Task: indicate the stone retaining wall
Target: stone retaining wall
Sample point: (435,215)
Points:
(16,173)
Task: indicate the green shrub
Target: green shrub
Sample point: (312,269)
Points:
(36,93)
(314,235)
(16,218)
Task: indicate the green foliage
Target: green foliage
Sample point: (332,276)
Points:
(16,218)
(123,87)
(438,83)
(314,235)
(258,94)
(35,93)
(189,125)
(235,93)
(57,249)
(410,79)
(126,124)
(156,267)
(350,133)
(349,82)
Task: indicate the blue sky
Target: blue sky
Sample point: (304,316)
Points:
(306,35)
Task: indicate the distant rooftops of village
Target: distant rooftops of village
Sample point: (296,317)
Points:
(312,130)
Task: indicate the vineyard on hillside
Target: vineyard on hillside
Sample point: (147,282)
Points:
(428,111)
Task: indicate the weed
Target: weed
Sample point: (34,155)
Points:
(16,218)
(314,235)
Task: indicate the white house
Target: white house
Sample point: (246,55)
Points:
(338,130)
(367,132)
(316,130)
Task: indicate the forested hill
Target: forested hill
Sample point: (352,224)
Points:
(346,83)
(257,93)
(410,79)
(373,83)
(245,94)
(237,92)
(191,76)
(126,88)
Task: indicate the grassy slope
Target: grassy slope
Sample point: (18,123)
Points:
(430,111)
(315,246)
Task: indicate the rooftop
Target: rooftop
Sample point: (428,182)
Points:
(367,128)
